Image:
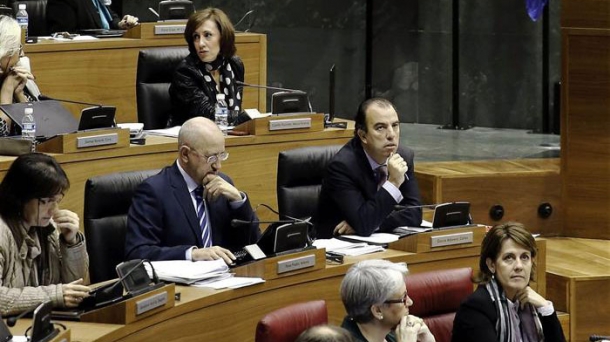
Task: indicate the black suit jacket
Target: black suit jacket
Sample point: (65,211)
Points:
(75,15)
(162,223)
(476,319)
(349,192)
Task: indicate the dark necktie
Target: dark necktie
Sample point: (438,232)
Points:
(206,236)
(382,175)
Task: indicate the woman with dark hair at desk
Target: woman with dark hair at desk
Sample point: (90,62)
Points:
(42,252)
(504,308)
(76,15)
(210,68)
(16,80)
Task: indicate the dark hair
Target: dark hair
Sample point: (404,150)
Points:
(227,32)
(492,244)
(31,176)
(325,333)
(360,118)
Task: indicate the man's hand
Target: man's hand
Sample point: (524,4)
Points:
(128,22)
(343,228)
(397,167)
(213,253)
(216,186)
(68,223)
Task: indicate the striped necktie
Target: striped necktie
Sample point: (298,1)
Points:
(206,235)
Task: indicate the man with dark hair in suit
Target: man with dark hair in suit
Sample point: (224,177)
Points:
(368,177)
(76,15)
(185,211)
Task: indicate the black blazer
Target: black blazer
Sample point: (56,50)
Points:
(476,319)
(75,15)
(162,223)
(349,192)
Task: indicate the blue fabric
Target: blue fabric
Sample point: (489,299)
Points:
(203,218)
(535,8)
(105,16)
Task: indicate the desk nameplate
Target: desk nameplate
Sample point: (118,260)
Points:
(281,124)
(150,303)
(299,263)
(451,239)
(97,140)
(169,29)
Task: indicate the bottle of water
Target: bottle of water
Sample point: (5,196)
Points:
(221,116)
(22,20)
(28,127)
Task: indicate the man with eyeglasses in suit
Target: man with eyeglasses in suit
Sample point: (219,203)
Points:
(184,212)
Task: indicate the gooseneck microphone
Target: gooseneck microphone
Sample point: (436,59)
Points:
(11,321)
(239,223)
(43,97)
(594,338)
(269,87)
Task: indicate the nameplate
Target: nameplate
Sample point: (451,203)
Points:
(296,264)
(276,125)
(151,303)
(97,140)
(451,239)
(169,29)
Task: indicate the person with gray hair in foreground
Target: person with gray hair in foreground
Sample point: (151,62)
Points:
(375,297)
(325,333)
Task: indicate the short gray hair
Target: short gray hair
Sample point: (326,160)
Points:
(10,36)
(368,283)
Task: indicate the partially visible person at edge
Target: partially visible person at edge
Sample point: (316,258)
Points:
(16,80)
(212,67)
(43,256)
(76,15)
(504,307)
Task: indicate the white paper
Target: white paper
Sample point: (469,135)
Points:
(166,132)
(232,283)
(379,238)
(185,271)
(425,223)
(333,244)
(253,113)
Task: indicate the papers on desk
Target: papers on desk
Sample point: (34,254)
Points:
(171,132)
(188,272)
(347,248)
(375,238)
(230,282)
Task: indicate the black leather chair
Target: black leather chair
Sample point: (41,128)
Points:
(107,201)
(299,179)
(37,16)
(155,69)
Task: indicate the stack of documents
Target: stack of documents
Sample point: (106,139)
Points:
(342,247)
(189,272)
(230,282)
(171,132)
(375,238)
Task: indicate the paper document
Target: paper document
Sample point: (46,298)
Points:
(232,283)
(166,132)
(188,272)
(253,113)
(376,238)
(347,248)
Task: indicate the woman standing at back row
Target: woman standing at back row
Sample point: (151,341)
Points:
(210,68)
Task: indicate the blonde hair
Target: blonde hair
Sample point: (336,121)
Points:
(10,36)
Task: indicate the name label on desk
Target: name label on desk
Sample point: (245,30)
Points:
(451,239)
(97,140)
(169,29)
(276,125)
(151,303)
(296,264)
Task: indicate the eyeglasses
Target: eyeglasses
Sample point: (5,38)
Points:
(396,301)
(222,156)
(51,200)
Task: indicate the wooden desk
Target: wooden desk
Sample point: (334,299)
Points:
(104,71)
(232,315)
(252,163)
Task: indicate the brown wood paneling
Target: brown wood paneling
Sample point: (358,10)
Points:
(586,133)
(585,13)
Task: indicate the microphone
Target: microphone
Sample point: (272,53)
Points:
(242,19)
(238,223)
(11,321)
(154,12)
(43,97)
(594,338)
(270,87)
(399,207)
